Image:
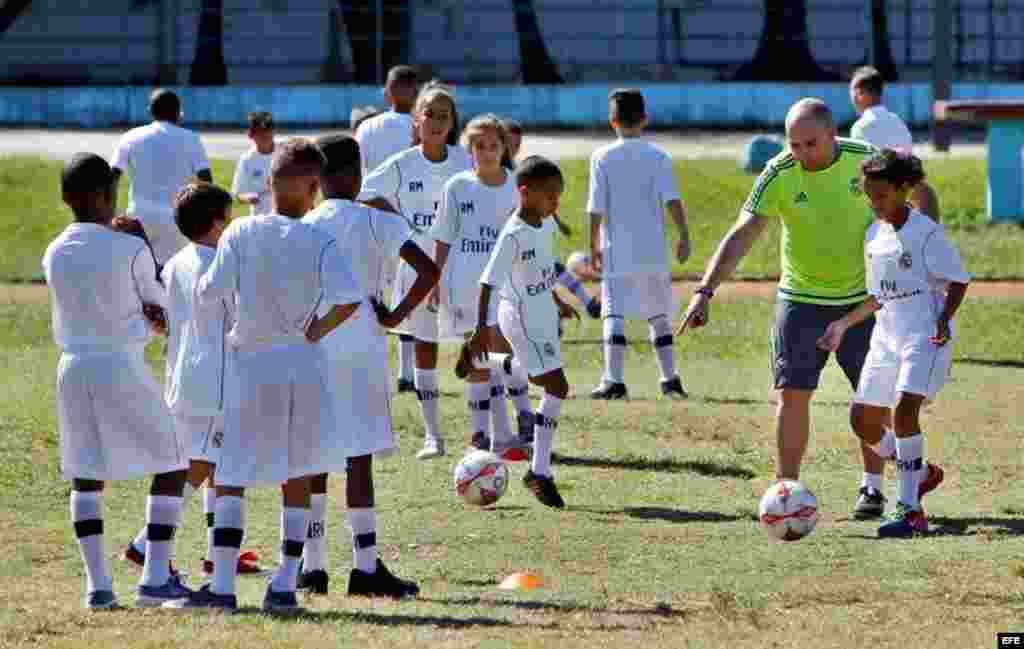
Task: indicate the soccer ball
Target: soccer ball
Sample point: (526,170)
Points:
(481,478)
(789,511)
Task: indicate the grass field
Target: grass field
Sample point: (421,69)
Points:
(658,546)
(32,214)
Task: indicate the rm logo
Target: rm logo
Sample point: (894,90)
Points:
(528,255)
(416,186)
(466,208)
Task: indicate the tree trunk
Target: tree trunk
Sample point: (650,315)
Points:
(208,67)
(361,23)
(884,61)
(784,49)
(536,64)
(10,11)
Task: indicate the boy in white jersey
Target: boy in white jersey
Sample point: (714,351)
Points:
(522,269)
(251,184)
(631,185)
(196,356)
(162,157)
(277,414)
(411,183)
(916,283)
(356,356)
(113,423)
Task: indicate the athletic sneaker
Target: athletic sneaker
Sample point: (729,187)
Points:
(524,423)
(543,487)
(870,504)
(131,555)
(380,583)
(315,581)
(405,385)
(610,392)
(594,308)
(480,441)
(171,590)
(206,598)
(99,600)
(248,566)
(903,523)
(432,447)
(931,481)
(673,389)
(280,601)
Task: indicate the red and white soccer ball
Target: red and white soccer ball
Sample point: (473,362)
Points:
(788,511)
(481,478)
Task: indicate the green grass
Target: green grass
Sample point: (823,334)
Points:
(31,215)
(658,546)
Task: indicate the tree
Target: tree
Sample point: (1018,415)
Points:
(883,59)
(784,49)
(536,64)
(361,24)
(208,67)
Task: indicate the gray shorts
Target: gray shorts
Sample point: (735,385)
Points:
(797,361)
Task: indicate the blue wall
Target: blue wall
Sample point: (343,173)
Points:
(679,105)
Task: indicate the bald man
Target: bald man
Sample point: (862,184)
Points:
(813,187)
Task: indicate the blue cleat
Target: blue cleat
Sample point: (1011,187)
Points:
(205,598)
(280,602)
(101,599)
(172,590)
(903,523)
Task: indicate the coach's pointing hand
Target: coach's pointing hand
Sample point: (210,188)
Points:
(697,314)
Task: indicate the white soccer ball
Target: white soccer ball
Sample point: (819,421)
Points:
(577,261)
(481,478)
(788,511)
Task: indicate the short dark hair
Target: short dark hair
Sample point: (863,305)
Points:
(198,206)
(627,106)
(261,119)
(164,105)
(360,114)
(85,173)
(403,74)
(297,157)
(868,79)
(342,154)
(894,167)
(536,169)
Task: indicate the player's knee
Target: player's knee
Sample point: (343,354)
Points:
(857,419)
(905,414)
(168,484)
(558,386)
(318,484)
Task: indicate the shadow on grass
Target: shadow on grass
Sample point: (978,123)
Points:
(663,514)
(708,468)
(393,619)
(946,526)
(554,607)
(989,362)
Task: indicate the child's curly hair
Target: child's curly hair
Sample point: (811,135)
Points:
(894,167)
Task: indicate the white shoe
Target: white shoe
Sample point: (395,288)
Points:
(432,447)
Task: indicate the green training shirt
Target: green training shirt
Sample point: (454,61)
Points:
(825,216)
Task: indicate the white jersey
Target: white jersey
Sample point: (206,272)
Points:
(469,219)
(883,129)
(279,270)
(522,267)
(98,281)
(908,271)
(382,136)
(369,239)
(252,176)
(630,183)
(196,332)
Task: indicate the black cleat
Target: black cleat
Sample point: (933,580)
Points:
(870,504)
(594,308)
(405,385)
(673,389)
(380,584)
(315,581)
(543,487)
(610,392)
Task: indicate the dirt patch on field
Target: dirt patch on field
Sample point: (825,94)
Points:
(24,294)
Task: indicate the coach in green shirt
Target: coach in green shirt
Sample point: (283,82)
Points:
(814,189)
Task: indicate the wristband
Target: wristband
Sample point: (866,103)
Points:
(706,291)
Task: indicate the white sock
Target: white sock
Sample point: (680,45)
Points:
(428,393)
(162,516)
(500,424)
(315,557)
(478,398)
(886,448)
(908,466)
(406,357)
(363,523)
(294,524)
(87,518)
(515,378)
(614,350)
(227,540)
(661,339)
(210,509)
(544,431)
(139,543)
(872,481)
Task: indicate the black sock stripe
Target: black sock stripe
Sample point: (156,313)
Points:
(292,549)
(157,532)
(497,391)
(406,338)
(89,527)
(616,339)
(518,392)
(545,422)
(363,541)
(663,341)
(209,519)
(484,404)
(427,395)
(507,365)
(227,537)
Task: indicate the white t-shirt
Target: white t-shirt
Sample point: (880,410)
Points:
(470,218)
(522,267)
(279,271)
(98,281)
(382,136)
(161,158)
(883,129)
(908,271)
(195,336)
(369,239)
(630,183)
(252,176)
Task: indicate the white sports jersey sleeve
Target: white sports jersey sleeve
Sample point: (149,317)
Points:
(499,268)
(199,159)
(447,221)
(221,280)
(942,259)
(382,182)
(668,190)
(144,272)
(597,201)
(122,158)
(336,279)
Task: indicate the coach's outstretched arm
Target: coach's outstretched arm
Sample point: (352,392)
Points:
(733,248)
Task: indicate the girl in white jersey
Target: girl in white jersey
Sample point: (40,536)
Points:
(916,283)
(411,183)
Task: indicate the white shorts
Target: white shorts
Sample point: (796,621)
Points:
(538,355)
(278,420)
(639,297)
(205,436)
(456,323)
(422,322)
(114,424)
(360,402)
(913,366)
